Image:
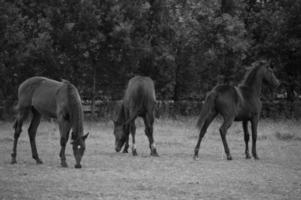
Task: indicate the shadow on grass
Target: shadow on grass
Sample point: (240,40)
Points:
(286,136)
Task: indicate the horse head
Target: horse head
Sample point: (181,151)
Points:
(120,135)
(269,76)
(79,147)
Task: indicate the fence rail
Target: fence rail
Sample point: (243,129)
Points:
(108,109)
(274,109)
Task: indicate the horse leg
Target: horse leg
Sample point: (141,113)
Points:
(127,128)
(246,138)
(223,131)
(254,124)
(126,145)
(32,131)
(149,122)
(202,133)
(133,133)
(64,127)
(18,129)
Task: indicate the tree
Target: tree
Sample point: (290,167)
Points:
(274,26)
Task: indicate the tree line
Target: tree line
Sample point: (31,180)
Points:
(185,46)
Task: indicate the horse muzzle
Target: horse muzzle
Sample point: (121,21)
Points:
(117,149)
(118,146)
(78,159)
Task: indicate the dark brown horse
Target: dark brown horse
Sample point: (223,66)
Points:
(43,96)
(139,100)
(241,103)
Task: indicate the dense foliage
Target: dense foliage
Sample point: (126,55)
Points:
(187,47)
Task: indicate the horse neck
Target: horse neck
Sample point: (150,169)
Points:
(77,122)
(254,83)
(75,111)
(121,115)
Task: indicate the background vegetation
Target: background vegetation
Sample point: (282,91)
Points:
(186,47)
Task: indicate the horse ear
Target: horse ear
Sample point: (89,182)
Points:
(85,136)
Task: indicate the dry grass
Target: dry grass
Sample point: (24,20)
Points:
(174,175)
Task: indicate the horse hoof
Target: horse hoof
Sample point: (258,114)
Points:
(256,157)
(39,161)
(154,153)
(134,152)
(195,157)
(248,156)
(229,157)
(78,166)
(125,151)
(64,165)
(13,162)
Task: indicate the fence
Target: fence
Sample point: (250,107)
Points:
(274,110)
(108,109)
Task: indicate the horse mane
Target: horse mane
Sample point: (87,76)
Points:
(75,110)
(121,114)
(250,75)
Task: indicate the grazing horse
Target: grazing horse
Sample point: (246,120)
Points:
(43,96)
(241,103)
(139,100)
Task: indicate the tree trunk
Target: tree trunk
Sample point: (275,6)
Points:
(177,73)
(227,6)
(290,89)
(93,92)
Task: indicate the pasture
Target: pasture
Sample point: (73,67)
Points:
(174,175)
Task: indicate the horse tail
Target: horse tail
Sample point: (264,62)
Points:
(75,109)
(15,124)
(207,108)
(133,116)
(139,103)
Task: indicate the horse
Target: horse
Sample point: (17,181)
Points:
(53,99)
(139,101)
(240,103)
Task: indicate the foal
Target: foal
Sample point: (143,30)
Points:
(61,100)
(241,103)
(139,101)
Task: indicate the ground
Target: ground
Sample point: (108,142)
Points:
(174,175)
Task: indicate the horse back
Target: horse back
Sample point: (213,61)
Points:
(227,100)
(39,92)
(237,102)
(47,97)
(228,93)
(27,89)
(140,94)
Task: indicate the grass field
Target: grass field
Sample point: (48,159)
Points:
(174,175)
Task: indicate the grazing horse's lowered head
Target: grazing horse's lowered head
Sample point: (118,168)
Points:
(79,147)
(120,128)
(120,136)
